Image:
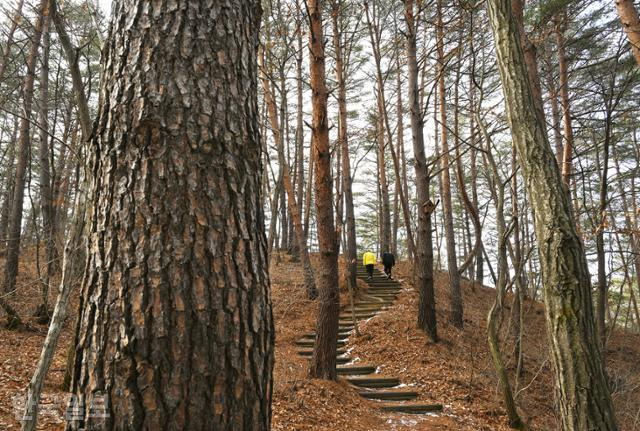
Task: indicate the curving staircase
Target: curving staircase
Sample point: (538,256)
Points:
(380,294)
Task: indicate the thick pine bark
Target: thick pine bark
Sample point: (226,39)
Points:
(583,396)
(447,210)
(323,362)
(423,264)
(175,328)
(631,24)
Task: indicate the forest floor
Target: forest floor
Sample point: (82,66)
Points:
(456,371)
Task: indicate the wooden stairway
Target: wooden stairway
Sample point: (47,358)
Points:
(380,294)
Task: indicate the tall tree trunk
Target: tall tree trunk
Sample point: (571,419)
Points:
(582,392)
(351,250)
(385,207)
(423,264)
(46,197)
(447,210)
(299,136)
(501,288)
(15,218)
(601,221)
(8,183)
(175,313)
(323,362)
(555,111)
(631,24)
(563,74)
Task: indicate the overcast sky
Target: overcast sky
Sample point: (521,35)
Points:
(106,5)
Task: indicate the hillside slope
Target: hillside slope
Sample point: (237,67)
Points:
(456,372)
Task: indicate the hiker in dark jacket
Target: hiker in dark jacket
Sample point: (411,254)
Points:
(388,260)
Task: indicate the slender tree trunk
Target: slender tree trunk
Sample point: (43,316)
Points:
(9,183)
(46,198)
(308,194)
(351,250)
(15,219)
(299,136)
(452,259)
(323,362)
(601,220)
(423,264)
(563,74)
(555,111)
(582,392)
(498,305)
(385,207)
(175,313)
(294,208)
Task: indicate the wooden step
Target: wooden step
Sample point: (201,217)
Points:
(310,342)
(366,309)
(357,369)
(340,360)
(399,395)
(359,315)
(413,408)
(342,334)
(374,381)
(367,303)
(310,352)
(381,290)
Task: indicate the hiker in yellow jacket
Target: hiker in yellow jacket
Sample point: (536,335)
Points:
(368,260)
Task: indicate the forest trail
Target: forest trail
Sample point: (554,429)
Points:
(388,390)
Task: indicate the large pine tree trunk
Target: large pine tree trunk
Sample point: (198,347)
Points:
(323,362)
(582,392)
(175,328)
(423,265)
